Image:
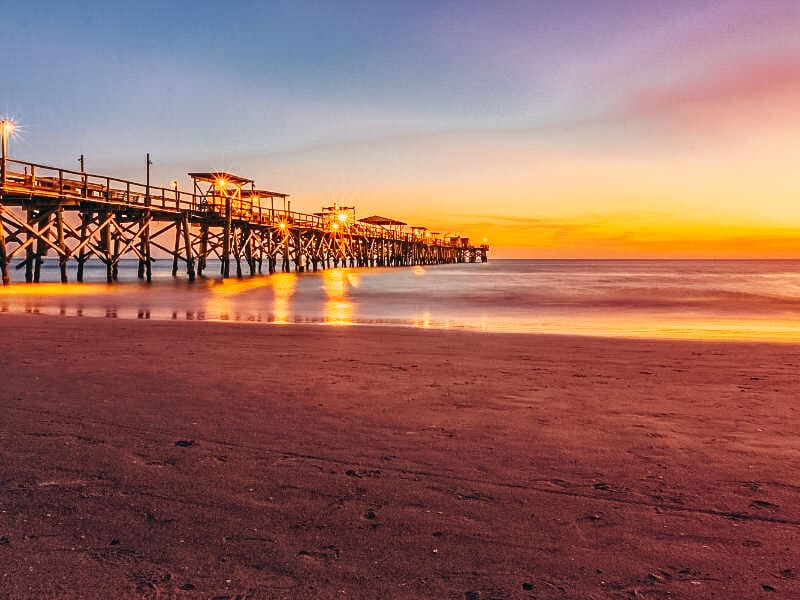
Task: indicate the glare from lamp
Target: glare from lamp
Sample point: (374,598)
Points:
(7,128)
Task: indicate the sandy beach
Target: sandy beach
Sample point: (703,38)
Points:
(145,459)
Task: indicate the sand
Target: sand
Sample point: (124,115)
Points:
(207,460)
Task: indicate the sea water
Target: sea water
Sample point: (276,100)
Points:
(736,299)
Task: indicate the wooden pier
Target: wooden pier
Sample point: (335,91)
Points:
(80,216)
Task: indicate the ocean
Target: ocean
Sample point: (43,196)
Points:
(698,299)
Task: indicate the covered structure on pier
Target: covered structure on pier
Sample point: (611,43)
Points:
(419,232)
(219,191)
(392,225)
(262,205)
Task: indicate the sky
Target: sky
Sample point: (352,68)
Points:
(594,129)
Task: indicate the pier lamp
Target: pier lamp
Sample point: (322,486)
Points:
(7,129)
(221,183)
(282,225)
(343,217)
(335,226)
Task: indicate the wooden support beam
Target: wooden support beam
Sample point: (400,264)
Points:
(85,220)
(29,253)
(177,248)
(271,251)
(237,249)
(248,251)
(62,257)
(42,224)
(115,260)
(4,259)
(148,268)
(85,238)
(188,248)
(201,264)
(107,244)
(261,235)
(298,252)
(226,241)
(286,253)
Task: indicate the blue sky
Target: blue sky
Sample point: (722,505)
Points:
(448,107)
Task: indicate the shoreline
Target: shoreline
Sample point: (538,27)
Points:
(696,337)
(751,303)
(164,460)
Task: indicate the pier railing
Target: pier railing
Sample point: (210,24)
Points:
(63,184)
(23,178)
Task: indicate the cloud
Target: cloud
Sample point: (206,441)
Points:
(748,94)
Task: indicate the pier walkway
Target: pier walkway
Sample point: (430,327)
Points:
(80,216)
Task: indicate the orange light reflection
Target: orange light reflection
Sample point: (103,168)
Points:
(337,309)
(283,285)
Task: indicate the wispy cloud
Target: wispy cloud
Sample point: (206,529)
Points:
(750,94)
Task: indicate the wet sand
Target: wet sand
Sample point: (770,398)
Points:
(207,460)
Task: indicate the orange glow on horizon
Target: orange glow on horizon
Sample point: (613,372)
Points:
(734,197)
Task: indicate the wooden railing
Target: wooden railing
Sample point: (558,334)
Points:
(41,181)
(44,181)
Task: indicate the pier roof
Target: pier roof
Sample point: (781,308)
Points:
(378,220)
(263,194)
(217,175)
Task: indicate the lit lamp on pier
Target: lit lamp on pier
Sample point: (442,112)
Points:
(337,217)
(7,129)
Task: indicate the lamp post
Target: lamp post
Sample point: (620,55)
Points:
(147,163)
(7,128)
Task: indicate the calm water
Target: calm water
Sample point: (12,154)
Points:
(695,299)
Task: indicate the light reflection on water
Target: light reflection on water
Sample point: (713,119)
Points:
(284,285)
(338,310)
(675,299)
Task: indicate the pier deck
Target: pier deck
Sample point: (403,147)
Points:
(81,216)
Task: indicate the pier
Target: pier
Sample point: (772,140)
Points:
(79,216)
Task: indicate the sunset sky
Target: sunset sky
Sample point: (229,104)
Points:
(554,128)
